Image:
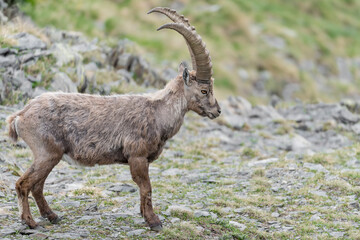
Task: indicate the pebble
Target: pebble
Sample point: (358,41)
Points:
(136,232)
(238,225)
(122,188)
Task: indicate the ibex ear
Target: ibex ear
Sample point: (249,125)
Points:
(186,76)
(183,69)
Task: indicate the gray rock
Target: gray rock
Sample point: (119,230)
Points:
(175,220)
(319,193)
(355,205)
(356,128)
(347,117)
(289,90)
(3,18)
(84,47)
(26,41)
(136,232)
(315,217)
(344,69)
(238,225)
(87,219)
(168,74)
(265,112)
(200,213)
(337,234)
(7,61)
(315,167)
(299,143)
(274,41)
(66,235)
(122,188)
(38,91)
(39,235)
(235,121)
(64,54)
(172,172)
(243,74)
(263,162)
(6,232)
(275,214)
(4,51)
(75,204)
(61,82)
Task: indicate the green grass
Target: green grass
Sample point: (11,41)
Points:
(314,29)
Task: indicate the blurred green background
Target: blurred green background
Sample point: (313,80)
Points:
(307,50)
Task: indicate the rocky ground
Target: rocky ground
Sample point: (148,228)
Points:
(257,172)
(265,172)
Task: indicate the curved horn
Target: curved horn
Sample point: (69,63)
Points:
(177,18)
(173,15)
(198,47)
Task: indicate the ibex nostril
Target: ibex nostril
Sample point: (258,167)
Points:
(219,111)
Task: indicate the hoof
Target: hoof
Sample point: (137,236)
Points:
(53,218)
(31,223)
(156,228)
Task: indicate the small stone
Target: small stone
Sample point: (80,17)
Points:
(299,143)
(39,235)
(201,214)
(315,167)
(75,204)
(354,205)
(337,234)
(238,225)
(262,162)
(319,193)
(139,221)
(122,188)
(275,214)
(175,220)
(64,54)
(26,41)
(199,228)
(136,232)
(348,117)
(315,217)
(61,82)
(356,128)
(7,61)
(6,232)
(292,166)
(28,231)
(172,172)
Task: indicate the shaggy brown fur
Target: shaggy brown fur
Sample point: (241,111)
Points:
(126,129)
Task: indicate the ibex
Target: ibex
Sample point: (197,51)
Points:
(125,129)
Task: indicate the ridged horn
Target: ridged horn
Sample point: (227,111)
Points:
(201,54)
(173,15)
(177,18)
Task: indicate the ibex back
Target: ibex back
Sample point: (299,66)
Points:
(126,129)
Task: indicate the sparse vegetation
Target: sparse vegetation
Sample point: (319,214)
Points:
(251,35)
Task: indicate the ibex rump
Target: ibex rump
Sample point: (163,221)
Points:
(127,129)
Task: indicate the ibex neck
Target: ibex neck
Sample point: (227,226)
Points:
(172,108)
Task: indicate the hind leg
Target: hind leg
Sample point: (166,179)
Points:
(37,172)
(45,210)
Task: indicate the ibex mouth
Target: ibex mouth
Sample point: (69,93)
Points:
(212,116)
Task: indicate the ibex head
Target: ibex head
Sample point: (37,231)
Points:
(198,82)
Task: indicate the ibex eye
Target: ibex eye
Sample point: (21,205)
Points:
(203,91)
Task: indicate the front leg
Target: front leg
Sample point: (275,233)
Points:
(139,168)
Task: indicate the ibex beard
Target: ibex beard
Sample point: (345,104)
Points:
(125,129)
